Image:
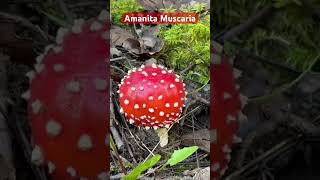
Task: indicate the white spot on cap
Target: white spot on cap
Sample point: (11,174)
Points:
(51,167)
(40,58)
(84,142)
(103,176)
(48,48)
(60,35)
(236,73)
(155,127)
(226,149)
(236,139)
(144,73)
(155,86)
(176,80)
(167,115)
(121,110)
(215,167)
(121,94)
(161,113)
(39,67)
(167,105)
(154,74)
(141,88)
(77,26)
(164,72)
(226,96)
(176,104)
(171,86)
(105,35)
(53,128)
(57,49)
(58,67)
(230,118)
(36,106)
(37,156)
(103,16)
(242,118)
(26,95)
(136,106)
(126,101)
(151,110)
(131,121)
(154,65)
(161,81)
(147,127)
(160,97)
(73,86)
(150,98)
(95,26)
(31,75)
(100,84)
(71,171)
(133,88)
(128,82)
(167,126)
(144,105)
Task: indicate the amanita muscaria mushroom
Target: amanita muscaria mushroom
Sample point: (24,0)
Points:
(226,105)
(151,96)
(68,102)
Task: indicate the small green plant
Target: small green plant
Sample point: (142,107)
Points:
(118,7)
(177,157)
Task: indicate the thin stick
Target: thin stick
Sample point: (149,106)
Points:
(65,11)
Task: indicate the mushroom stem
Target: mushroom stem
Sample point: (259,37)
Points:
(163,135)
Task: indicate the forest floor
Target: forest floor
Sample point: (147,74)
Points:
(280,140)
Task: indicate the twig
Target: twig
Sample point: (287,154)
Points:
(26,23)
(252,21)
(115,151)
(65,10)
(118,58)
(192,64)
(114,131)
(286,86)
(129,148)
(5,134)
(312,7)
(272,153)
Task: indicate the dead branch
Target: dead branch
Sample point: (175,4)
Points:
(246,26)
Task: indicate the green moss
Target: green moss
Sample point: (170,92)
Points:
(184,44)
(118,7)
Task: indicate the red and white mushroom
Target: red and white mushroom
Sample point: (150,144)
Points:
(225,111)
(68,100)
(152,96)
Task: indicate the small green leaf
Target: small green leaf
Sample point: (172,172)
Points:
(136,172)
(181,155)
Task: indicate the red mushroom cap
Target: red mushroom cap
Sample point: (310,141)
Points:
(68,100)
(225,110)
(151,96)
